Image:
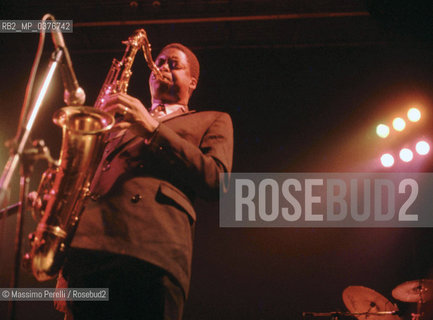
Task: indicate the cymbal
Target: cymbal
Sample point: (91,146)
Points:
(359,299)
(414,291)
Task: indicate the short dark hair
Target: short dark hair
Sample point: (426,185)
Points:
(194,65)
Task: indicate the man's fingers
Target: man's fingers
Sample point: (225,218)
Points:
(121,98)
(121,126)
(117,108)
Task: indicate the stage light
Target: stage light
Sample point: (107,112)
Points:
(413,114)
(406,154)
(422,148)
(387,160)
(382,131)
(399,124)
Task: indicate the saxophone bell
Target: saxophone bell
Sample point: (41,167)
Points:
(63,188)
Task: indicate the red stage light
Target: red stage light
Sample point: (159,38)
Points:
(382,130)
(398,124)
(414,114)
(422,147)
(387,160)
(406,154)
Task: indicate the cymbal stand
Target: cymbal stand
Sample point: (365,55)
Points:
(418,315)
(335,315)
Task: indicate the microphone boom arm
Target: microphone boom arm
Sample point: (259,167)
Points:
(12,163)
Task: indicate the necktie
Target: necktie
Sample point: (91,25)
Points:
(158,112)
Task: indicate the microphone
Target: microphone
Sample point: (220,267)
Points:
(74,95)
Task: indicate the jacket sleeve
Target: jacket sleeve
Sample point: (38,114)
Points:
(198,167)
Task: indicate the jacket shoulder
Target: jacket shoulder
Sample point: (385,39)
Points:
(210,115)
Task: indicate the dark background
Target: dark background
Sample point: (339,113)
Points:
(305,82)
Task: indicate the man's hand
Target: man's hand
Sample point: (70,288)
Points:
(135,116)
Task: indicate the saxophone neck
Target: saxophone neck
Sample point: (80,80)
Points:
(120,73)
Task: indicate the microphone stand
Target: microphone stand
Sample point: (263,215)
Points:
(27,164)
(23,136)
(17,154)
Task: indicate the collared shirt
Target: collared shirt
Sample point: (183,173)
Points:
(159,110)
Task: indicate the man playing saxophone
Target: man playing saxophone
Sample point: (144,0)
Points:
(135,234)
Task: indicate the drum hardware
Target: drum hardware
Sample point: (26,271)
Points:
(336,315)
(365,303)
(419,291)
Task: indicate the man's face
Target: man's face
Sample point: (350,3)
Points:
(174,66)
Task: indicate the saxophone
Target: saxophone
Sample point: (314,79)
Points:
(59,200)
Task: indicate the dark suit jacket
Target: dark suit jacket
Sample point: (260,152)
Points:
(146,191)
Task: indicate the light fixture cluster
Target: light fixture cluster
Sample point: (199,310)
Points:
(398,123)
(422,148)
(408,153)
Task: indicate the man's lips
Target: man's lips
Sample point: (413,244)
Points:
(165,79)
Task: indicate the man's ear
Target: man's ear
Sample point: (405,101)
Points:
(192,84)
